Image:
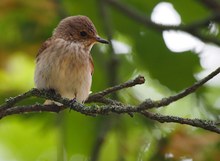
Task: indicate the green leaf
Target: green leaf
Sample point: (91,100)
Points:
(171,69)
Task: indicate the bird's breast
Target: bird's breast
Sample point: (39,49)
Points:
(66,68)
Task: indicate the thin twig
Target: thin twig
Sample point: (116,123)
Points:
(204,124)
(13,100)
(111,106)
(96,97)
(208,125)
(138,80)
(166,101)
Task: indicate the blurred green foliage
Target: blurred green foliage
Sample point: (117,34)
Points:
(25,24)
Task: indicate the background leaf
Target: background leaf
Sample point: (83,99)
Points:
(71,136)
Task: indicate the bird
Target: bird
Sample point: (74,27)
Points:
(64,63)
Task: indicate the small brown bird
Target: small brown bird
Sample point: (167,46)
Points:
(64,62)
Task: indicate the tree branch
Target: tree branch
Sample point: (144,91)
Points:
(138,80)
(166,101)
(110,106)
(146,21)
(204,124)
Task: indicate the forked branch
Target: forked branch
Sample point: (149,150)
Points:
(108,105)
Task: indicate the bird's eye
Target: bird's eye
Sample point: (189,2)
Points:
(83,33)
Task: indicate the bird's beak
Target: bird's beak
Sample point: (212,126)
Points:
(101,40)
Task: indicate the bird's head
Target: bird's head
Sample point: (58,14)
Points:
(79,29)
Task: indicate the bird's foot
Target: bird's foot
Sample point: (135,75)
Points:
(71,102)
(52,91)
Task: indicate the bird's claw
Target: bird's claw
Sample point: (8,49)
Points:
(52,91)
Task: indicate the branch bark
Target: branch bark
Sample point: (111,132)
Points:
(110,106)
(204,124)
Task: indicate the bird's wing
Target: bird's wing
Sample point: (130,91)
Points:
(48,43)
(44,46)
(91,64)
